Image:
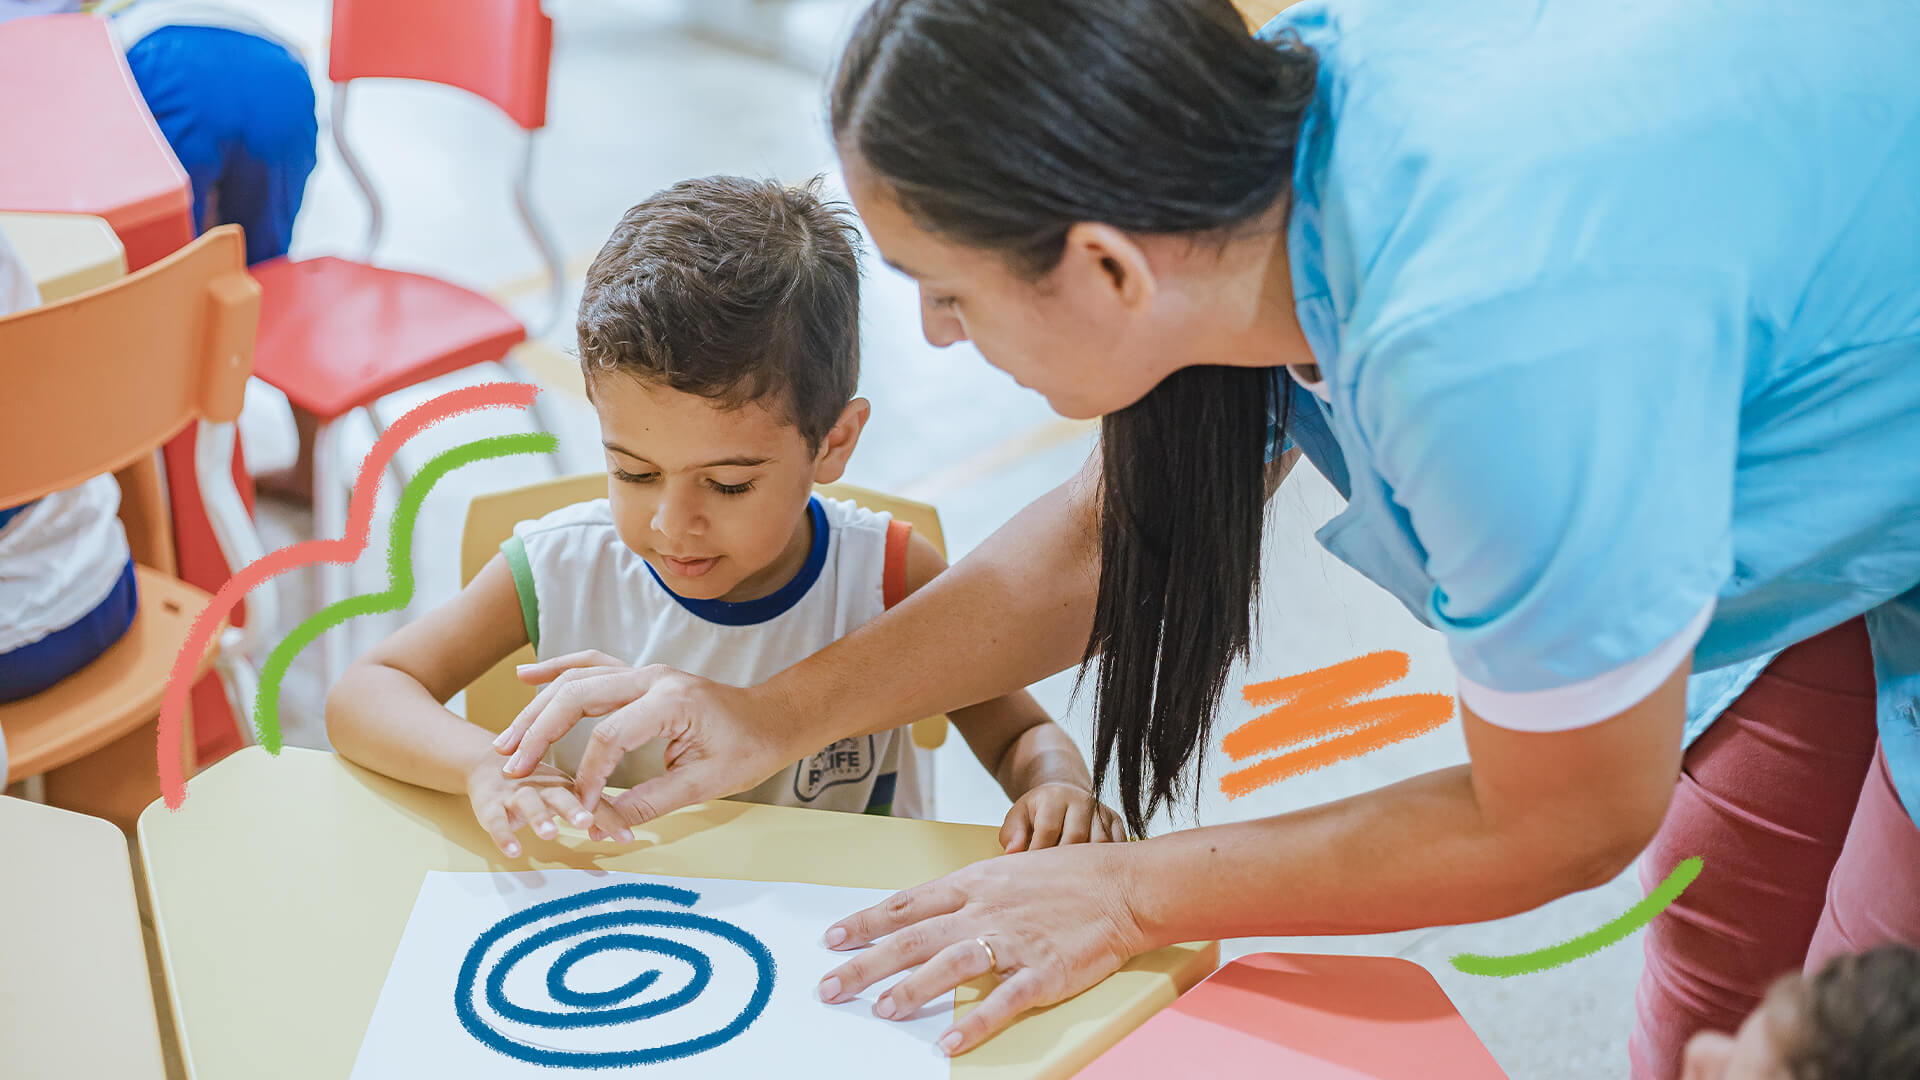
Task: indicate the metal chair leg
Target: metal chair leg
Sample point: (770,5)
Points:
(330,494)
(394,472)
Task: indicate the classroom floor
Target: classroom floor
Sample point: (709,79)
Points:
(641,97)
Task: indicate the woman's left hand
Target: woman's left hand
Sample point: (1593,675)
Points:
(1057,921)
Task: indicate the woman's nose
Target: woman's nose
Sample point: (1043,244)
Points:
(940,325)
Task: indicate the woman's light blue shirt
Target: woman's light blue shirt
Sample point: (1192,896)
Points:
(1618,307)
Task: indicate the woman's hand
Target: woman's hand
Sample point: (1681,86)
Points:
(721,739)
(1058,813)
(1057,921)
(505,805)
(551,675)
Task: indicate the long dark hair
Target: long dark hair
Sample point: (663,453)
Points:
(1002,124)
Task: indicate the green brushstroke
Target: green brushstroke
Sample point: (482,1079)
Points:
(1635,917)
(399,590)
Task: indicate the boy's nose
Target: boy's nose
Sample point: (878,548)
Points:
(675,519)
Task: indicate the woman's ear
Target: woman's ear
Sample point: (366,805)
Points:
(1109,266)
(830,463)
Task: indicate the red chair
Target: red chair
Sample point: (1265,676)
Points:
(1305,1017)
(338,334)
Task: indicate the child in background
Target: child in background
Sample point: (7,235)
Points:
(67,589)
(1857,1019)
(719,336)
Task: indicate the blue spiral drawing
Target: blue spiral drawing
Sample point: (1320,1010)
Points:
(602,933)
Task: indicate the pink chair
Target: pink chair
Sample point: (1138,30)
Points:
(77,138)
(337,334)
(1305,1017)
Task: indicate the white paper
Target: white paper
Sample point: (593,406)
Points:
(756,1014)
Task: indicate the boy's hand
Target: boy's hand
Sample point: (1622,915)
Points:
(504,805)
(1057,813)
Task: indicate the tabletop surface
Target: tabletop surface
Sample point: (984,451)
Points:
(281,887)
(65,254)
(72,963)
(94,148)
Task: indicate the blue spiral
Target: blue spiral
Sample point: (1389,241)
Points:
(602,1008)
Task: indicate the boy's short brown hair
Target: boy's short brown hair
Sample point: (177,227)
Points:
(736,290)
(1857,1019)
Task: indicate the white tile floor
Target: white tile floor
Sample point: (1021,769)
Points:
(638,102)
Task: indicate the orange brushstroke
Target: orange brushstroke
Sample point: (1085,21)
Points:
(1320,705)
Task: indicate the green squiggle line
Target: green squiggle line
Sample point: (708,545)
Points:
(1592,941)
(399,590)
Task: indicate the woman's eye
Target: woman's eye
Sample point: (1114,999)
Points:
(733,489)
(626,477)
(945,301)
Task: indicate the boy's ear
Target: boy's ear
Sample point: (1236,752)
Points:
(835,450)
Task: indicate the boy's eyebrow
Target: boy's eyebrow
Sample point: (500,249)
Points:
(732,462)
(899,267)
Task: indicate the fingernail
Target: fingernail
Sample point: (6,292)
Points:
(626,836)
(547,830)
(884,1008)
(500,740)
(829,989)
(582,818)
(949,1043)
(836,937)
(513,851)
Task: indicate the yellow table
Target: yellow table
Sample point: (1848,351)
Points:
(282,886)
(76,998)
(65,253)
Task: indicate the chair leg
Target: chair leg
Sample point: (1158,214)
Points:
(34,788)
(539,413)
(330,495)
(394,472)
(241,682)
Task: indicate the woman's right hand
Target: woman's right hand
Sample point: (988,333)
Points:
(721,739)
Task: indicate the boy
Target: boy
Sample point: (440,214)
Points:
(1857,1018)
(719,336)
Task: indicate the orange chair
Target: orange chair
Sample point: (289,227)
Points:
(337,334)
(88,144)
(94,384)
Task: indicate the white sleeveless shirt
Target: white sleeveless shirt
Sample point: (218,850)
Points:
(581,587)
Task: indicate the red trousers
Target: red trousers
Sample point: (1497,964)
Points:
(1808,851)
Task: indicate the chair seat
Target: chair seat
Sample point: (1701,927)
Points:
(113,695)
(336,334)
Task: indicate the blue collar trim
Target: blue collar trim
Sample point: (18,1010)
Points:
(774,604)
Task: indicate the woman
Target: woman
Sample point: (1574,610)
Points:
(1605,317)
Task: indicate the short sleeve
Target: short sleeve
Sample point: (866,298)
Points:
(1563,458)
(521,567)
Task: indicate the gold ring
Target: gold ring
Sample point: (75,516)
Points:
(993,964)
